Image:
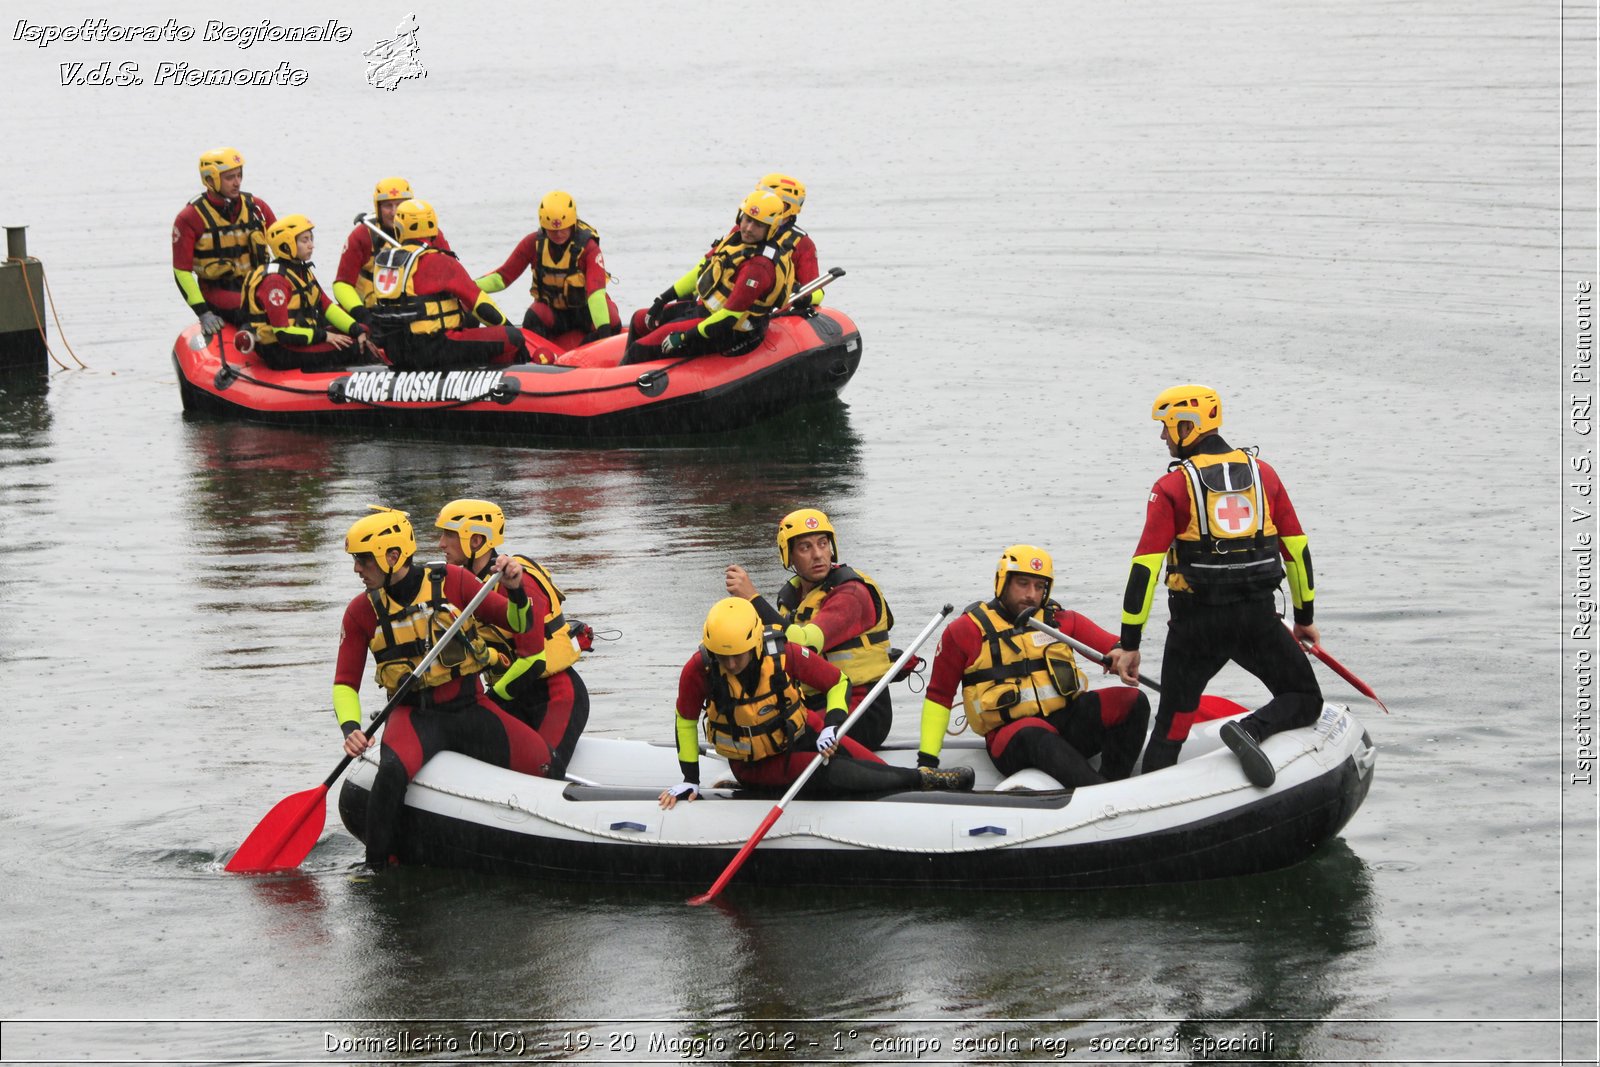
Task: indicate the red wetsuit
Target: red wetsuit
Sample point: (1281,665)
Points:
(358,253)
(804,667)
(189,227)
(544,318)
(755,279)
(441,272)
(1112,718)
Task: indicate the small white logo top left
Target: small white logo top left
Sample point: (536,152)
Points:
(394,59)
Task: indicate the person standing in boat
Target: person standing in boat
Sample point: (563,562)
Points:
(296,325)
(352,283)
(217,239)
(425,299)
(533,677)
(722,304)
(1023,691)
(745,678)
(569,274)
(1223,521)
(404,610)
(832,609)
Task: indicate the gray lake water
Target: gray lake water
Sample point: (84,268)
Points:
(1346,216)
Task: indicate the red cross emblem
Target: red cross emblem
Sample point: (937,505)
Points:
(811,523)
(1233,513)
(386,277)
(1036,563)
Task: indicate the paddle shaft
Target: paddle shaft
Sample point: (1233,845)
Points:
(811,768)
(813,285)
(366,221)
(1341,670)
(1100,658)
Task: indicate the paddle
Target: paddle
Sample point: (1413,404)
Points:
(1341,670)
(805,776)
(1210,707)
(363,219)
(291,829)
(792,304)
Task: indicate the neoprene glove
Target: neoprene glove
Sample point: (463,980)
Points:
(683,789)
(210,323)
(828,736)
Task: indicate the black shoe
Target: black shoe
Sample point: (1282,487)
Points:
(1257,767)
(953,780)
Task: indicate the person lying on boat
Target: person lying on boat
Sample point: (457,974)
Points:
(746,679)
(352,282)
(1224,523)
(217,239)
(1023,691)
(406,608)
(722,304)
(568,271)
(425,298)
(535,681)
(297,326)
(832,609)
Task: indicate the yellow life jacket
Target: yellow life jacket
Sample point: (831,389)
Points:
(363,283)
(1230,546)
(558,277)
(715,281)
(1019,671)
(788,237)
(305,304)
(405,632)
(225,253)
(560,650)
(864,657)
(763,721)
(397,302)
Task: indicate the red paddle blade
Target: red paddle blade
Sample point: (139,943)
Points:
(738,861)
(1344,672)
(286,836)
(1211,707)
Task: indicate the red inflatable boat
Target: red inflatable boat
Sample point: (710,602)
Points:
(582,394)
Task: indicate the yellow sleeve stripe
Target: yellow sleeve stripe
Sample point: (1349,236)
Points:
(519,615)
(189,286)
(515,671)
(346,295)
(1141,591)
(684,286)
(935,721)
(1298,567)
(599,312)
(346,704)
(688,740)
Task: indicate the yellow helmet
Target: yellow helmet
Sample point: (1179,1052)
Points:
(791,190)
(214,162)
(557,211)
(468,517)
(416,220)
(378,533)
(1197,405)
(766,206)
(281,235)
(390,189)
(732,627)
(1024,559)
(802,522)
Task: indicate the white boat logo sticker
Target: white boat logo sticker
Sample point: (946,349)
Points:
(420,386)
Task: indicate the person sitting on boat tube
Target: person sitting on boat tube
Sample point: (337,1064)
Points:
(217,239)
(296,325)
(746,679)
(1224,523)
(406,608)
(568,271)
(1023,692)
(352,282)
(721,305)
(790,236)
(832,609)
(535,680)
(425,297)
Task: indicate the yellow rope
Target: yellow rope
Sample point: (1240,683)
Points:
(38,320)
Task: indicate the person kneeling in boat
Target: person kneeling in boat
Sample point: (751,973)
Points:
(352,282)
(1022,690)
(569,275)
(288,311)
(722,304)
(217,239)
(832,609)
(404,611)
(533,677)
(1224,523)
(424,298)
(746,678)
